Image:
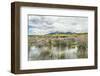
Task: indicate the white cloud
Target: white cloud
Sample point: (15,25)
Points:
(40,25)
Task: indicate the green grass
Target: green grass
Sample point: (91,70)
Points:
(67,35)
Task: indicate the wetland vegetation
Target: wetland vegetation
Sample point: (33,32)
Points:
(58,46)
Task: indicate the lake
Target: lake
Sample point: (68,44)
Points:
(57,49)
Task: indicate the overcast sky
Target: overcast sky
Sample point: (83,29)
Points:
(41,25)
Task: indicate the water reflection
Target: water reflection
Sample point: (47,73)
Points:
(57,49)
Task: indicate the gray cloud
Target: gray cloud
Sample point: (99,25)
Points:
(40,25)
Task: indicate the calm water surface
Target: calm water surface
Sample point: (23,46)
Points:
(58,51)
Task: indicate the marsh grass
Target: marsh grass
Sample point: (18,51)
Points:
(60,42)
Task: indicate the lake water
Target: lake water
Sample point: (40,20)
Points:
(58,51)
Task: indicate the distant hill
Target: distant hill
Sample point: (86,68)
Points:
(62,33)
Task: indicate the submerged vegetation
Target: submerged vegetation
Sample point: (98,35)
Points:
(58,46)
